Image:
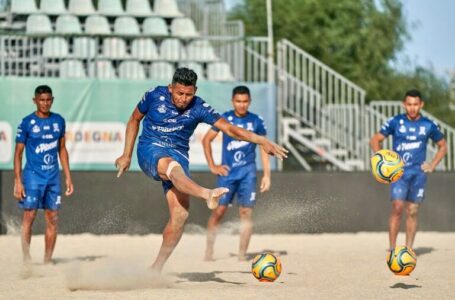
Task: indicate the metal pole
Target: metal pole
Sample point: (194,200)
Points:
(271,68)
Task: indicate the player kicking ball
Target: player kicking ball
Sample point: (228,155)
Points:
(169,117)
(237,171)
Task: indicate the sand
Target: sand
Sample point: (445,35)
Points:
(319,266)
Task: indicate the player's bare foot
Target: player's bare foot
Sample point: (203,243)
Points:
(242,257)
(215,196)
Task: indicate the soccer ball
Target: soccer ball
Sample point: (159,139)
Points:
(387,166)
(266,267)
(401,260)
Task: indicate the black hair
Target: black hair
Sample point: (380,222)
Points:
(43,89)
(413,93)
(241,89)
(184,76)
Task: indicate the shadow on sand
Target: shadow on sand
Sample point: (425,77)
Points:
(405,286)
(206,277)
(250,256)
(77,258)
(423,250)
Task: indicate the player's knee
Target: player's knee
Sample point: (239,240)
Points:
(412,211)
(172,165)
(179,216)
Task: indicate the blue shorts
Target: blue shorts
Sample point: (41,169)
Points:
(148,157)
(41,196)
(410,187)
(245,188)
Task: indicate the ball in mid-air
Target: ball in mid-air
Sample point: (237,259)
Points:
(387,166)
(401,260)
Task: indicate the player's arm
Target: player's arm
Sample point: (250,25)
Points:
(207,145)
(376,141)
(19,191)
(132,128)
(266,178)
(442,151)
(242,134)
(64,161)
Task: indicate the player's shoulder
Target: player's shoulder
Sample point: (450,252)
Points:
(160,92)
(29,119)
(426,119)
(255,116)
(57,116)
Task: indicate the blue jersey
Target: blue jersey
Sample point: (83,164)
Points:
(240,156)
(410,138)
(41,137)
(166,126)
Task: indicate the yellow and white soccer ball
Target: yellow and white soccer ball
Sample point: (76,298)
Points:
(387,166)
(266,267)
(401,260)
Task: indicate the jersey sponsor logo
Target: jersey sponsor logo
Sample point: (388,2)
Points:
(409,146)
(162,109)
(187,113)
(47,136)
(32,121)
(407,157)
(249,126)
(230,118)
(238,157)
(48,162)
(422,130)
(234,145)
(162,98)
(166,129)
(36,129)
(46,127)
(170,120)
(412,129)
(55,127)
(44,147)
(411,137)
(402,129)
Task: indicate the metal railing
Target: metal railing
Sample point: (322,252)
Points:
(380,111)
(320,97)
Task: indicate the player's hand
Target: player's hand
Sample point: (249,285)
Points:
(221,170)
(19,190)
(427,168)
(122,164)
(274,149)
(69,187)
(265,184)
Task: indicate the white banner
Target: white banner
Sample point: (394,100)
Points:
(6,142)
(197,156)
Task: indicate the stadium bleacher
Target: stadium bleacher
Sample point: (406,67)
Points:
(131,42)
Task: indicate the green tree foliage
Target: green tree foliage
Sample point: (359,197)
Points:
(357,38)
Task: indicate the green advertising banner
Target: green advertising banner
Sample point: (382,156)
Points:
(96,113)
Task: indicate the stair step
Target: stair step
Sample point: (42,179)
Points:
(307,132)
(322,143)
(339,152)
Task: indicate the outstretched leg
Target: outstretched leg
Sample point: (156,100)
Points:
(394,222)
(412,211)
(169,169)
(178,203)
(50,237)
(246,229)
(26,237)
(212,229)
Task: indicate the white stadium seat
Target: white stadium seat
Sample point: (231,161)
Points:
(172,49)
(126,26)
(55,47)
(97,25)
(138,8)
(52,7)
(72,68)
(219,71)
(110,8)
(155,26)
(114,48)
(67,24)
(81,7)
(144,49)
(23,7)
(102,69)
(183,27)
(131,70)
(196,67)
(161,71)
(201,50)
(166,8)
(84,47)
(38,23)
